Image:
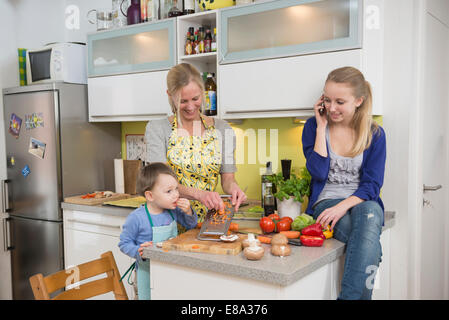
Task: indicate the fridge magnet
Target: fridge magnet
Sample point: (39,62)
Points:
(34,120)
(14,125)
(37,148)
(26,171)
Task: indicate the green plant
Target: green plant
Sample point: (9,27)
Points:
(296,186)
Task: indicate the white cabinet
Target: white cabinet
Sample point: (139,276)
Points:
(275,56)
(87,235)
(127,71)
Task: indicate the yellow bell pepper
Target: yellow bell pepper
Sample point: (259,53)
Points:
(328,233)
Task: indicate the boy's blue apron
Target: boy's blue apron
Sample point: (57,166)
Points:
(160,234)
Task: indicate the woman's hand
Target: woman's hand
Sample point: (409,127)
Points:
(237,196)
(211,200)
(332,214)
(321,119)
(184,205)
(143,245)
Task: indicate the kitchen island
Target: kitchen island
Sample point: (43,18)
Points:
(308,273)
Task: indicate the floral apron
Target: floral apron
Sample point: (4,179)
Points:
(196,162)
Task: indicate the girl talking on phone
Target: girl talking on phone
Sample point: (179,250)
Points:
(345,153)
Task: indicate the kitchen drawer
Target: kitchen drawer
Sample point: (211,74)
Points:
(93,222)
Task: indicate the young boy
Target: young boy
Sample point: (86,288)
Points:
(156,220)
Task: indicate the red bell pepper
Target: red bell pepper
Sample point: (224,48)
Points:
(313,230)
(311,241)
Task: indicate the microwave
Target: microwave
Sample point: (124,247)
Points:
(57,62)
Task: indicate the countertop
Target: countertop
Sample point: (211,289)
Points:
(271,269)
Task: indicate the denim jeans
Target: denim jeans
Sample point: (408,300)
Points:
(360,230)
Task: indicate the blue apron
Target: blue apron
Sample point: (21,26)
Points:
(160,234)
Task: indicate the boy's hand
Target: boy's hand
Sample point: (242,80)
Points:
(184,205)
(143,245)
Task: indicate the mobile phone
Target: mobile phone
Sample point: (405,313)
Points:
(322,110)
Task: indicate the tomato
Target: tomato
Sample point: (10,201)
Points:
(274,216)
(283,225)
(287,218)
(267,225)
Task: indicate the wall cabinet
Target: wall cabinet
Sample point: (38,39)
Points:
(272,58)
(87,235)
(127,71)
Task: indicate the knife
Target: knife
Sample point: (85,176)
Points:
(295,242)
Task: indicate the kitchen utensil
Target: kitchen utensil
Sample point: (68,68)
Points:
(216,224)
(95,201)
(133,13)
(188,241)
(104,18)
(286,166)
(127,203)
(295,242)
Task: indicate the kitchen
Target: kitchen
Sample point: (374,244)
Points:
(398,56)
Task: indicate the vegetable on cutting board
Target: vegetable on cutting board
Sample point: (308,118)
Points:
(264,239)
(311,241)
(292,234)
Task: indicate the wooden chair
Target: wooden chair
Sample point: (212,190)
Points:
(44,286)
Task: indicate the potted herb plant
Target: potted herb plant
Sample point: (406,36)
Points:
(290,193)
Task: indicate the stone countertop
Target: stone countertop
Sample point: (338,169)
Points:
(280,271)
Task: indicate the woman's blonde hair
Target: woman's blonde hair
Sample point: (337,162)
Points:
(178,77)
(362,122)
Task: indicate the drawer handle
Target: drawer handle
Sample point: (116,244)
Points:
(95,223)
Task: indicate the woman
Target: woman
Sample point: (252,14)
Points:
(345,154)
(199,149)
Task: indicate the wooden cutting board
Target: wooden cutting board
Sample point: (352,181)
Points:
(95,201)
(188,242)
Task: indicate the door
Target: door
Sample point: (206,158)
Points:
(36,248)
(434,274)
(32,150)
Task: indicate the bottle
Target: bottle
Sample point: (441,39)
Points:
(174,11)
(188,50)
(143,10)
(196,44)
(208,41)
(268,200)
(214,41)
(264,181)
(201,39)
(189,6)
(210,96)
(153,10)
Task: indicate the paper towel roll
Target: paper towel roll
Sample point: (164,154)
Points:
(119,176)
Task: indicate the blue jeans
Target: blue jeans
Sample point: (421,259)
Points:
(360,230)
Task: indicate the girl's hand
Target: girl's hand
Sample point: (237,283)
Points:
(329,215)
(184,205)
(321,120)
(211,200)
(143,245)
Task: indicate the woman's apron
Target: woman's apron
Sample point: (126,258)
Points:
(160,234)
(196,162)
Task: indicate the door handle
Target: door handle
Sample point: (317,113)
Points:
(432,188)
(5,196)
(6,235)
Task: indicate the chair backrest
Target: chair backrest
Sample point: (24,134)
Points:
(43,287)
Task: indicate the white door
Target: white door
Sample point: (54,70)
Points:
(434,269)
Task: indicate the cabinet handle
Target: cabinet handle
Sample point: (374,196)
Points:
(114,226)
(432,188)
(268,110)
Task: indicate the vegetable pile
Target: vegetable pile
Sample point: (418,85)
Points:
(304,227)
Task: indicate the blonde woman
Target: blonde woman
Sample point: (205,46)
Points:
(345,154)
(199,149)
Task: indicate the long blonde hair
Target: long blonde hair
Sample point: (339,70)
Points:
(178,77)
(362,122)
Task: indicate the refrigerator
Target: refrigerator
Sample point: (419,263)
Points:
(52,152)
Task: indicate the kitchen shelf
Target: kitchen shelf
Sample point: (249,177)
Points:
(210,57)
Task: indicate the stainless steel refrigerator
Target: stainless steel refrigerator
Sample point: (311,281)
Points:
(52,152)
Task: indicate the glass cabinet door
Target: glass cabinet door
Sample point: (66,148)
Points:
(284,28)
(137,48)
